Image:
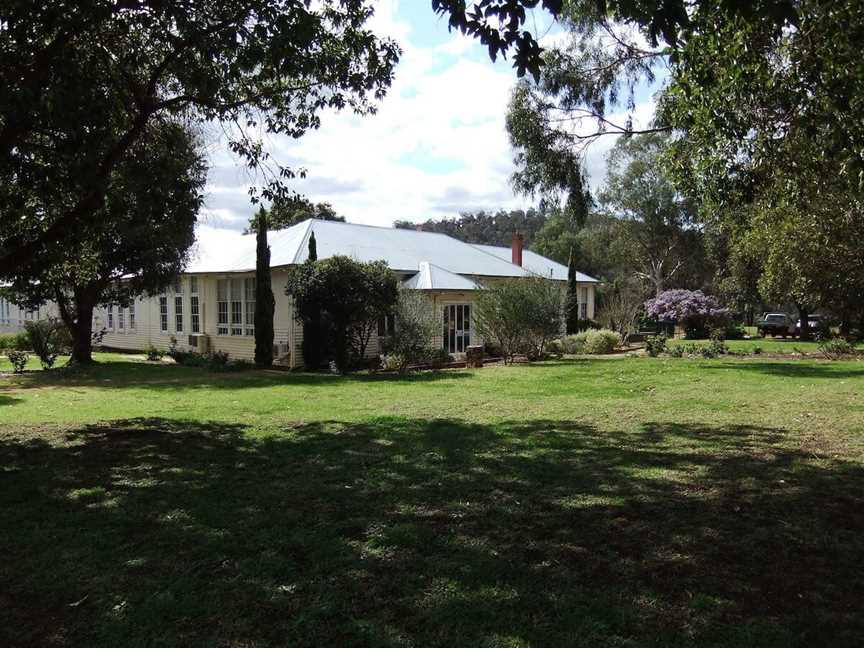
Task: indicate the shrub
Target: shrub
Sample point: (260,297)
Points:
(757,350)
(519,315)
(15,342)
(218,360)
(676,351)
(555,347)
(834,348)
(153,354)
(438,357)
(655,345)
(340,300)
(692,309)
(415,323)
(47,338)
(393,362)
(600,341)
(573,344)
(18,359)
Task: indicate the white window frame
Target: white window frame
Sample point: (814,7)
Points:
(223,289)
(235,306)
(178,313)
(110,318)
(163,313)
(132,314)
(121,320)
(194,306)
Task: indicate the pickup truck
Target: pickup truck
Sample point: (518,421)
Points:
(777,324)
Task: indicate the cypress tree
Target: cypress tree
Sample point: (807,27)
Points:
(265,303)
(572,303)
(314,336)
(313,247)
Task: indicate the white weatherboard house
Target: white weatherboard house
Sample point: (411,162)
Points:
(211,306)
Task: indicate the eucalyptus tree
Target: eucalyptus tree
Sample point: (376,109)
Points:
(84,80)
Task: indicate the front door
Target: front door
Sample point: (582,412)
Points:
(457,327)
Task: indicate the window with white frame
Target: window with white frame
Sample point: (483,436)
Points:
(235,305)
(121,320)
(222,307)
(163,313)
(178,313)
(110,317)
(583,304)
(132,315)
(249,286)
(4,312)
(194,305)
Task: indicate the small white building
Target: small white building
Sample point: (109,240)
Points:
(211,306)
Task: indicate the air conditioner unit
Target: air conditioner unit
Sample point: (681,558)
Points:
(199,342)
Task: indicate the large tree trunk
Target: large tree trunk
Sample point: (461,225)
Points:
(804,316)
(264,302)
(78,318)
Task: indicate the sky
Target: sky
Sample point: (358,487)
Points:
(436,147)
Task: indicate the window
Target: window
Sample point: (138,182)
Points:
(121,320)
(163,313)
(178,313)
(457,327)
(583,303)
(132,315)
(249,287)
(194,306)
(386,325)
(222,306)
(4,312)
(236,307)
(178,286)
(110,317)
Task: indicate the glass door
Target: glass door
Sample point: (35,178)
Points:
(457,327)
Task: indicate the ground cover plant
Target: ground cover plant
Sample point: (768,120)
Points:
(614,502)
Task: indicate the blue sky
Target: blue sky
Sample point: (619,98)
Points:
(437,145)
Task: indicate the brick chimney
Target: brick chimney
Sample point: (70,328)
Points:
(516,248)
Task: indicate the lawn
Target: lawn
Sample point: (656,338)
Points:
(615,502)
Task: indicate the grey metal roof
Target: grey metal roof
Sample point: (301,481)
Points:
(403,250)
(432,277)
(537,264)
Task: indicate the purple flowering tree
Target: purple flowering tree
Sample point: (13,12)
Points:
(692,309)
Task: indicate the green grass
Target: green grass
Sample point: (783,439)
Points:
(626,502)
(768,346)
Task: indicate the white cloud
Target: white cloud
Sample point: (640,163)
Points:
(436,146)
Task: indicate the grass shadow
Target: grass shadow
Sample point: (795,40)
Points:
(795,369)
(427,532)
(174,377)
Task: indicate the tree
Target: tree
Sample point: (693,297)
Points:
(590,76)
(138,245)
(265,304)
(83,82)
(485,227)
(313,247)
(348,296)
(572,302)
(622,303)
(771,137)
(519,315)
(286,213)
(655,219)
(692,309)
(415,324)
